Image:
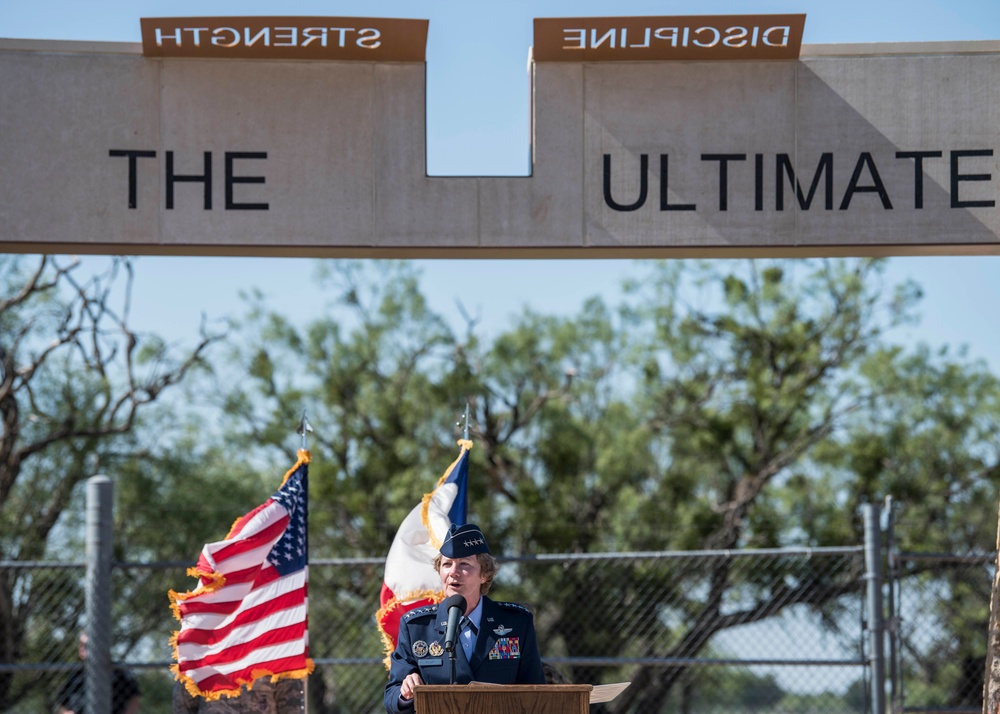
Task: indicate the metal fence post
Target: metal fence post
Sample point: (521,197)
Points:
(892,624)
(100,532)
(873,579)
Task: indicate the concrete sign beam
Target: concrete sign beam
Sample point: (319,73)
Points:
(848,150)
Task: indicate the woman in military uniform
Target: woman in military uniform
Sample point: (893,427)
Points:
(497,642)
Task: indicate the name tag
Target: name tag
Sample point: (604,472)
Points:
(431,662)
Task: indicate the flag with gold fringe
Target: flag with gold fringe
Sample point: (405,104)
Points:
(410,581)
(248,616)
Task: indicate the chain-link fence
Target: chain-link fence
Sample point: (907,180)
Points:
(740,631)
(938,634)
(777,631)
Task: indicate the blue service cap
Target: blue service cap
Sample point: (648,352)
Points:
(463,541)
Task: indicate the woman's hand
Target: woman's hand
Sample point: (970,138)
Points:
(411,681)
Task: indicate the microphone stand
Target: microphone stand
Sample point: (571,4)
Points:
(451,656)
(455,606)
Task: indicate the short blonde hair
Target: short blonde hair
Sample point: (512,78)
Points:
(488,565)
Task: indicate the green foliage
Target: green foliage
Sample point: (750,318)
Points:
(722,405)
(375,378)
(721,690)
(75,380)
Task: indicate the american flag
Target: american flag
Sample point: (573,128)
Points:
(410,580)
(247,618)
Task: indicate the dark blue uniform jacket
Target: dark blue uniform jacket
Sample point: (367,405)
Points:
(506,650)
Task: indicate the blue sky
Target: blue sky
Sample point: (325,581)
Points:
(478,124)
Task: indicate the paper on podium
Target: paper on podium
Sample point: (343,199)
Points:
(600,693)
(607,692)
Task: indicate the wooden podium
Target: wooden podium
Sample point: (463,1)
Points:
(502,698)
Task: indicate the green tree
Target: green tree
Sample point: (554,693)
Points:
(375,378)
(725,406)
(734,690)
(713,405)
(74,379)
(932,443)
(751,392)
(565,460)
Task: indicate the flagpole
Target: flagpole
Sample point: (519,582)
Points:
(303,430)
(305,427)
(407,583)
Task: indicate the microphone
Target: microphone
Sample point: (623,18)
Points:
(455,605)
